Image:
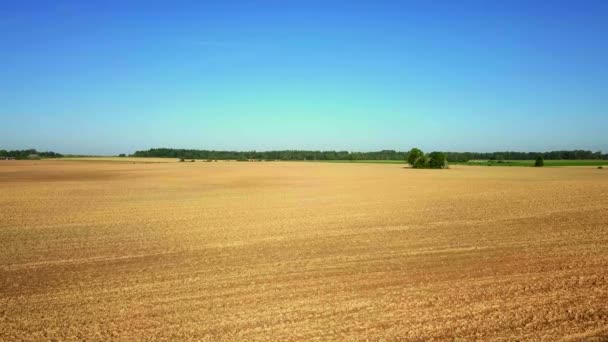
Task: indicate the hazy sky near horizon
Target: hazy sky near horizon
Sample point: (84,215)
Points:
(107,77)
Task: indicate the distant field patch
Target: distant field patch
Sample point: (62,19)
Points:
(364,161)
(591,163)
(489,162)
(531,163)
(120,159)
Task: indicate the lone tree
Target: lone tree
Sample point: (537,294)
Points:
(539,161)
(414,156)
(421,163)
(438,160)
(434,160)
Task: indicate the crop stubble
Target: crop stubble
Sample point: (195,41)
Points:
(301,251)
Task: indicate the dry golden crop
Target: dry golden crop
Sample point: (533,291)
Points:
(293,250)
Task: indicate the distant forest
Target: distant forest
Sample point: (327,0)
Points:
(28,154)
(510,155)
(346,155)
(326,155)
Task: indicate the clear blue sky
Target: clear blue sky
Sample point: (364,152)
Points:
(109,77)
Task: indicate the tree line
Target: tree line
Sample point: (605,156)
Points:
(327,155)
(26,154)
(511,155)
(271,155)
(347,155)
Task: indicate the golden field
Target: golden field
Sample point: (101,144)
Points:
(300,251)
(121,159)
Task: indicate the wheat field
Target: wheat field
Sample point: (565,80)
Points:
(301,251)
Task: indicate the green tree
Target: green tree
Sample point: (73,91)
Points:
(437,160)
(539,161)
(414,156)
(421,163)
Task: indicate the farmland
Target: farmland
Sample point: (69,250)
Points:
(590,163)
(291,250)
(120,159)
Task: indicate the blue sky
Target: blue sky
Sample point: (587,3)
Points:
(113,77)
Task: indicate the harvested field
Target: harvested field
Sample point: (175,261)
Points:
(286,251)
(120,159)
